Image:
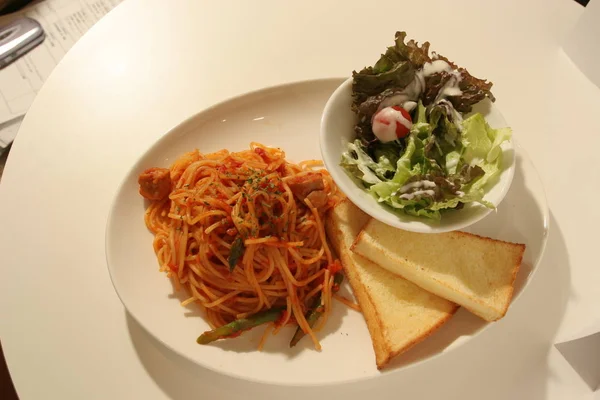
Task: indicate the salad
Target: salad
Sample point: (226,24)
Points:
(418,146)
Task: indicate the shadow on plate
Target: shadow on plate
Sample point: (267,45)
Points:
(176,376)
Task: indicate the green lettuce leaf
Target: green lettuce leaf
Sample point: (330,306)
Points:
(482,148)
(423,212)
(472,196)
(481,142)
(421,114)
(359,164)
(476,139)
(387,154)
(418,207)
(452,162)
(404,170)
(502,135)
(405,167)
(491,173)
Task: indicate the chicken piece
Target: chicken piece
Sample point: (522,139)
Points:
(155,183)
(309,186)
(301,186)
(318,198)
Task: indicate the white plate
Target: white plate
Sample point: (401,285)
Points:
(337,125)
(288,117)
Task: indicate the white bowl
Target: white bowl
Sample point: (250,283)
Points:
(337,124)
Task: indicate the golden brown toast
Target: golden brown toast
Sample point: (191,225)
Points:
(398,313)
(475,272)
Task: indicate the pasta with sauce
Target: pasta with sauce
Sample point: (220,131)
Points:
(242,232)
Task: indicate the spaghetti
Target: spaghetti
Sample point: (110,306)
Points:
(243,233)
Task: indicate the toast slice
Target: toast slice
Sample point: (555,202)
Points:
(398,313)
(475,272)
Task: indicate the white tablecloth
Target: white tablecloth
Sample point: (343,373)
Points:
(150,64)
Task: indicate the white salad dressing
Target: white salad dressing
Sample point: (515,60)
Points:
(419,82)
(418,184)
(450,88)
(423,187)
(410,196)
(385,123)
(409,105)
(435,67)
(395,100)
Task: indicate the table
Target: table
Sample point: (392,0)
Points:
(150,64)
